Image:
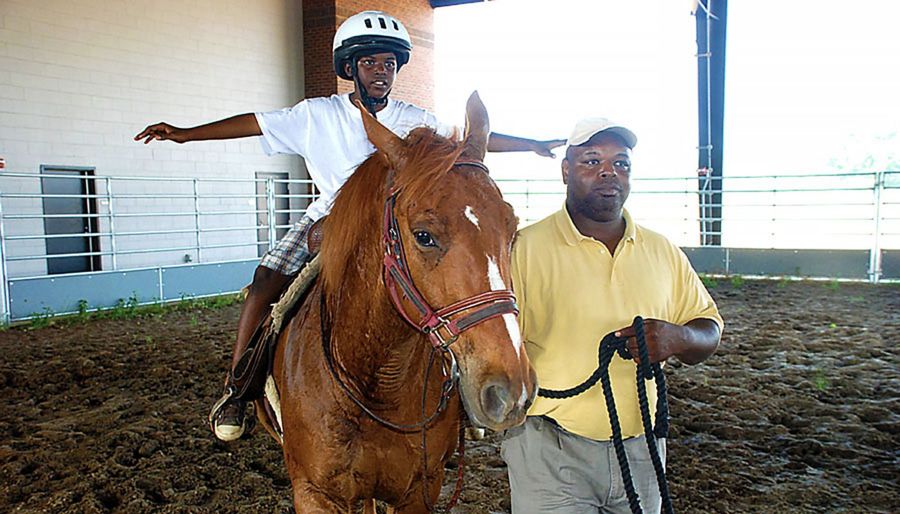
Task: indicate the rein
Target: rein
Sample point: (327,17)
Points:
(609,346)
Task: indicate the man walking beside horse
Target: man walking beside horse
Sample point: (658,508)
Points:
(583,272)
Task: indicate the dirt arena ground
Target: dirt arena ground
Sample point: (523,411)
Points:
(798,412)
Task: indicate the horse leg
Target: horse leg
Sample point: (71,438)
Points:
(309,502)
(370,507)
(414,503)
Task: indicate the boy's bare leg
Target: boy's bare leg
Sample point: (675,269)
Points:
(229,422)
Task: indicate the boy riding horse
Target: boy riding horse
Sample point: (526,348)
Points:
(369,49)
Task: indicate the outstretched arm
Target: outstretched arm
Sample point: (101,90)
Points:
(503,143)
(242,125)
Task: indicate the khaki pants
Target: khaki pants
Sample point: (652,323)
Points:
(554,471)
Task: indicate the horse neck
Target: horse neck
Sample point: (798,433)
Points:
(382,355)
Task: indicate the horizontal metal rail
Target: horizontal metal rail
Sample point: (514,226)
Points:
(862,207)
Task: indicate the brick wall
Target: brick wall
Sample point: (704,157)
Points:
(415,82)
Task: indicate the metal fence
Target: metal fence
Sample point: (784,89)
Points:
(159,239)
(140,238)
(846,211)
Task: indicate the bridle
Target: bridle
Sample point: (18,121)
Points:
(442,326)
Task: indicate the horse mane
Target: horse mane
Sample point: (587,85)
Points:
(354,226)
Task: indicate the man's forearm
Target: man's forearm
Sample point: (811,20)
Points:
(701,338)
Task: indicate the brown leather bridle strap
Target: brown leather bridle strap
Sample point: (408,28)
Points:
(447,386)
(441,326)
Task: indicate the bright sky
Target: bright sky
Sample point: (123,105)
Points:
(821,77)
(812,86)
(541,65)
(817,80)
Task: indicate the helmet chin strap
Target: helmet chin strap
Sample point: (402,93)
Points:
(369,102)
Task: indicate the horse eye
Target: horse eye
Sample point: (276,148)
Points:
(423,238)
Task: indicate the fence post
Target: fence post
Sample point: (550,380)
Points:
(270,210)
(875,252)
(197,220)
(112,222)
(4,283)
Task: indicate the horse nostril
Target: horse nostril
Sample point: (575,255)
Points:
(495,402)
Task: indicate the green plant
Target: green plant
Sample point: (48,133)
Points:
(783,283)
(41,319)
(708,281)
(155,309)
(216,302)
(820,381)
(856,299)
(124,308)
(833,285)
(129,308)
(82,314)
(737,281)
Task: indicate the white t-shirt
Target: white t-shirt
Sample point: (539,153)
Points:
(328,133)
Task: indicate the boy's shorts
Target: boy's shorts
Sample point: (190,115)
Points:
(291,252)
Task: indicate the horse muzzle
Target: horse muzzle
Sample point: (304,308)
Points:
(496,405)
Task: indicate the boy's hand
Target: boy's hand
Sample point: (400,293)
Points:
(545,148)
(162,132)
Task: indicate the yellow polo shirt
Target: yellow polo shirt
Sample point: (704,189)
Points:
(572,292)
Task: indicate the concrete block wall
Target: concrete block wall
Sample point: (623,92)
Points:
(79,78)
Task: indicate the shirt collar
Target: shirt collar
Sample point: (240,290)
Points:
(572,236)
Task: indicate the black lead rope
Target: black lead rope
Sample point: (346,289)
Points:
(609,346)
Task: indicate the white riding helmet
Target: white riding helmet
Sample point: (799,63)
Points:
(370,32)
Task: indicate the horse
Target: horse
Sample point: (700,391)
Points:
(373,381)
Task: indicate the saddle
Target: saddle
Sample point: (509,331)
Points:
(255,364)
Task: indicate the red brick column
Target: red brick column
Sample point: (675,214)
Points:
(321,18)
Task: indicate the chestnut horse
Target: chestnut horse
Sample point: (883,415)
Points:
(414,286)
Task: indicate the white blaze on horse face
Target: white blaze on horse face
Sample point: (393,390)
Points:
(522,398)
(471,215)
(512,326)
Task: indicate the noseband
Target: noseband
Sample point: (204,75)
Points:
(442,326)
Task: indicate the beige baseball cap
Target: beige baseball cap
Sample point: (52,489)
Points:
(587,128)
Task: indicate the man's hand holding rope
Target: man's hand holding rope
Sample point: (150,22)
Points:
(690,343)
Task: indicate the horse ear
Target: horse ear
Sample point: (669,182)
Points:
(478,128)
(388,143)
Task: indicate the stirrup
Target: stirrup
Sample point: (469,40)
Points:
(230,390)
(248,418)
